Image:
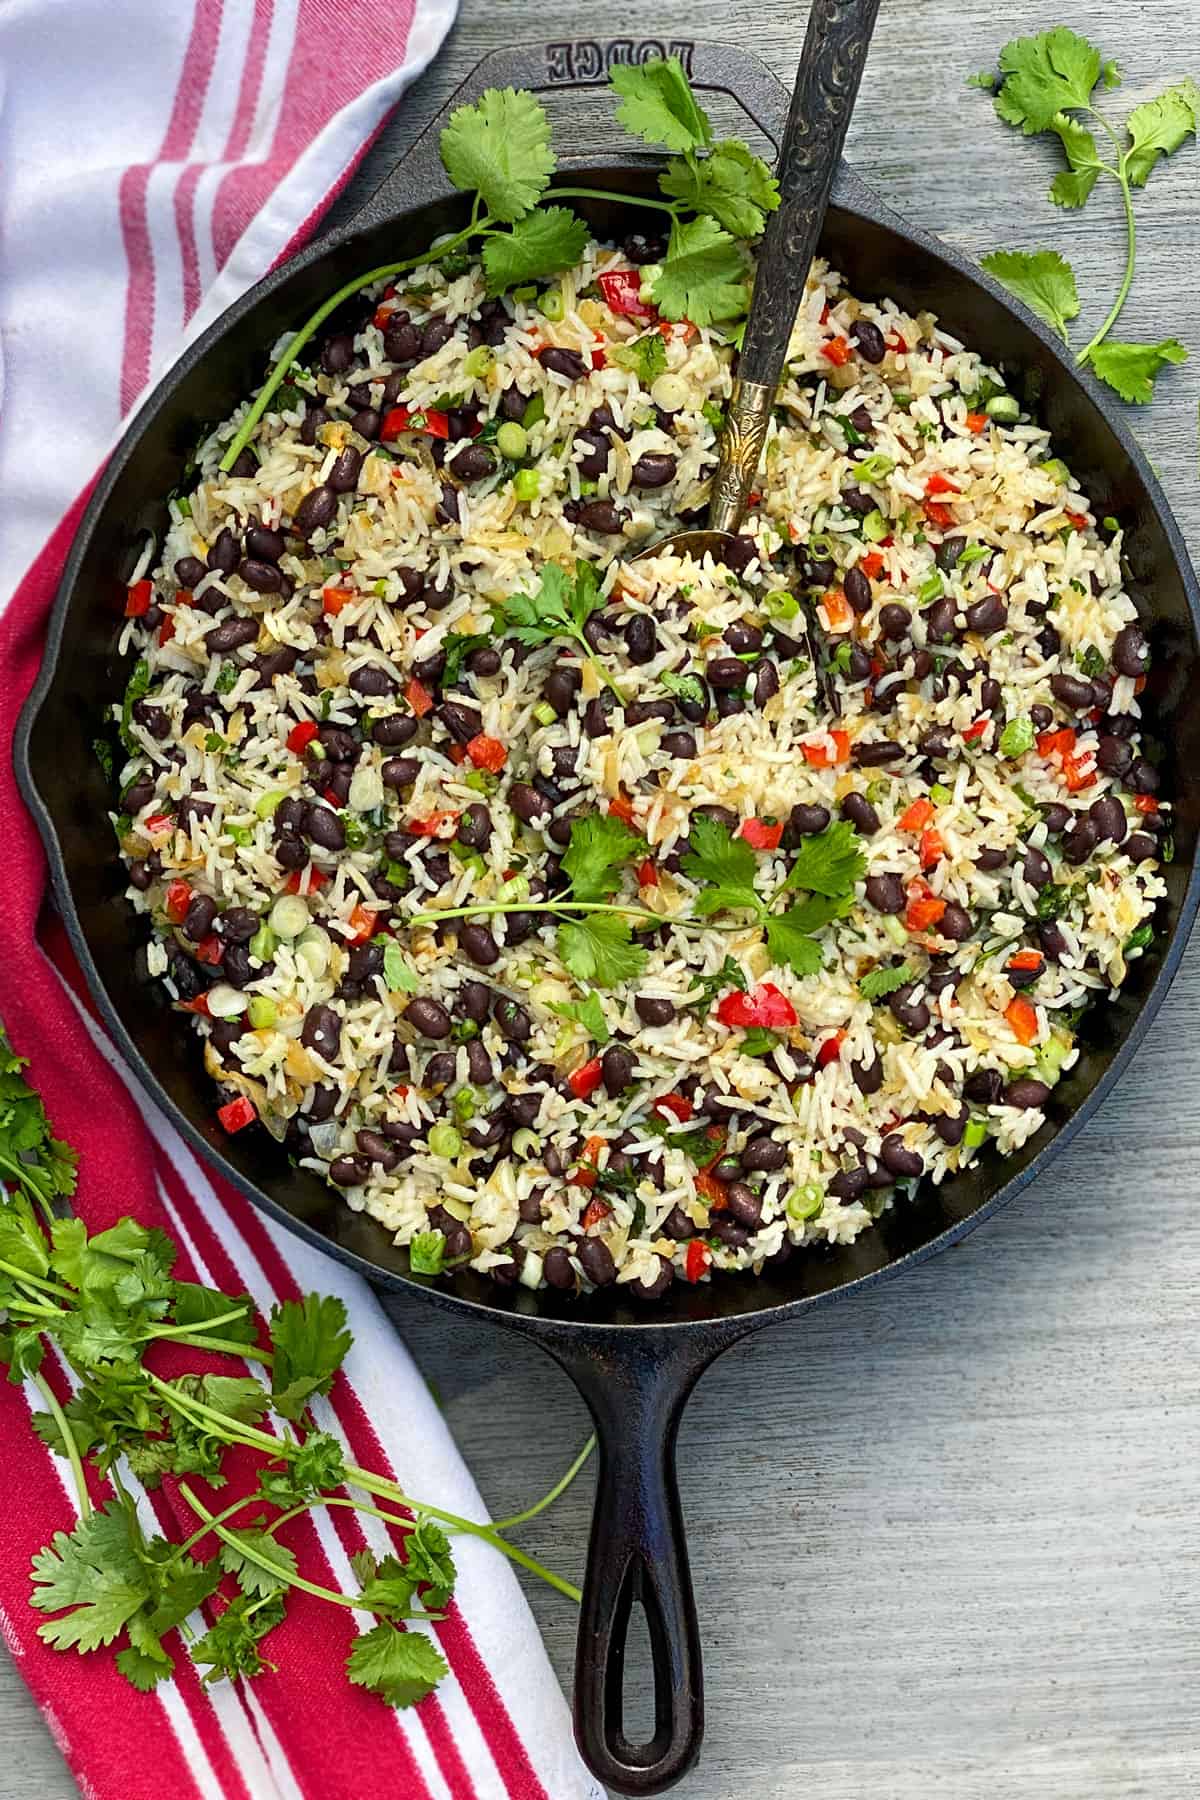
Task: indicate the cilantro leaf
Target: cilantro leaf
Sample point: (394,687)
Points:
(723,866)
(500,149)
(829,862)
(885,981)
(600,843)
(1045,75)
(758,1041)
(458,646)
(96,1570)
(646,356)
(732,185)
(316,1466)
(982,78)
(704,276)
(398,973)
(310,1341)
(400,1666)
(1159,127)
(729,975)
(789,942)
(561,607)
(387,1587)
(1043,279)
(545,242)
(231,1648)
(599,949)
(658,104)
(261,1563)
(136,689)
(1072,186)
(589,1013)
(429,1562)
(194,1306)
(1131,368)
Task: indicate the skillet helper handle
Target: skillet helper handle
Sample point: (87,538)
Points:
(637,1552)
(831,67)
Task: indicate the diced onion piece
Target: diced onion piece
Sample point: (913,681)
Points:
(312,949)
(289,916)
(366,789)
(225,1002)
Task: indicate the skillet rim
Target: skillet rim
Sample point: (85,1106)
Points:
(853,196)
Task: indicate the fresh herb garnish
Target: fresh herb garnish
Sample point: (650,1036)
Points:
(561,607)
(723,867)
(599,948)
(398,973)
(600,844)
(136,689)
(1045,84)
(646,356)
(729,975)
(885,981)
(103,1300)
(587,1012)
(827,865)
(758,1041)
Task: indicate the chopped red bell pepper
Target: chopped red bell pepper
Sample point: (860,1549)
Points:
(622,808)
(931,849)
(647,874)
(399,419)
(592,1149)
(916,816)
(1145,803)
(418,697)
(831,1049)
(765,1005)
(1078,520)
(837,351)
(924,908)
(487,753)
(1056,743)
(210,949)
(599,355)
(1080,771)
(166,630)
(137,599)
(839,614)
(313,878)
(937,483)
(157,822)
(1023,1019)
(716,1140)
(697,1260)
(176,901)
(198,1005)
(458,754)
(761,834)
(363,923)
(871,565)
(938,514)
(677,1104)
(622,290)
(712,1190)
(669,328)
(819,756)
(585,1178)
(976,422)
(596,1211)
(1025,959)
(977,729)
(896,343)
(586,1080)
(237,1114)
(301,735)
(431,825)
(333,599)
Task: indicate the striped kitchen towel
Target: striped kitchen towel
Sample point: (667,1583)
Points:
(158,156)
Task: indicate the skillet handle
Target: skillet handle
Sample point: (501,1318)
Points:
(638,1553)
(575,63)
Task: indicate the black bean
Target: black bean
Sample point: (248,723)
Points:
(479,1064)
(641,639)
(991,859)
(1142,777)
(595,1259)
(803,821)
(857,590)
(138,794)
(366,421)
(948,553)
(371,680)
(678,1226)
(765,1153)
(861,814)
(875,755)
(725,672)
(337,354)
(474,463)
(955,923)
(484,661)
(654,470)
(987,615)
(1102,692)
(230,634)
(339,745)
(1057,819)
(323,827)
(429,1017)
(401,341)
(640,249)
(478,943)
(867,1076)
(1026,1093)
(400,771)
(1042,717)
(568,363)
(349,1171)
(1036,867)
(616,1066)
(190,571)
(743,637)
(514,1022)
(764,681)
(941,625)
(1073,690)
(436,333)
(858,500)
(152,718)
(447,509)
(1140,846)
(640,712)
(869,340)
(261,577)
(462,722)
(485,1133)
(1131,651)
(436,865)
(1081,841)
(601,516)
(558,1269)
(264,545)
(561,687)
(290,853)
(1113,754)
(912,1014)
(745,1206)
(396,729)
(894,620)
(224,554)
(343,476)
(376,1148)
(1108,816)
(898,1160)
(679,744)
(458,1245)
(365,962)
(849,1185)
(595,446)
(475,826)
(1023,978)
(198,921)
(337,783)
(527,803)
(321,1031)
(984,1088)
(439,1070)
(886,893)
(652,1011)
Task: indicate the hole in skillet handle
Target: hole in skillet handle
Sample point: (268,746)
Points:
(636,1384)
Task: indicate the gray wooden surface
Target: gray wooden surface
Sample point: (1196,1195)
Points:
(946,1536)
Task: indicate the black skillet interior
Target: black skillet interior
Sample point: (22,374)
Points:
(635,1380)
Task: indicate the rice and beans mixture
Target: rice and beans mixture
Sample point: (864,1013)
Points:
(922,634)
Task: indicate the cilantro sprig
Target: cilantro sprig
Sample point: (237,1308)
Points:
(560,608)
(104,1301)
(716,195)
(827,865)
(1047,84)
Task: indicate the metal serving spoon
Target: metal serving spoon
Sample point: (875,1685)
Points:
(831,66)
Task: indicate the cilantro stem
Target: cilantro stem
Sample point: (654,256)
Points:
(252,1554)
(574,906)
(227,1346)
(182,1331)
(68,1437)
(560,1487)
(235,1506)
(38,1281)
(583,193)
(1121,173)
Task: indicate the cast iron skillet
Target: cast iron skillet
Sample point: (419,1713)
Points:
(635,1368)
